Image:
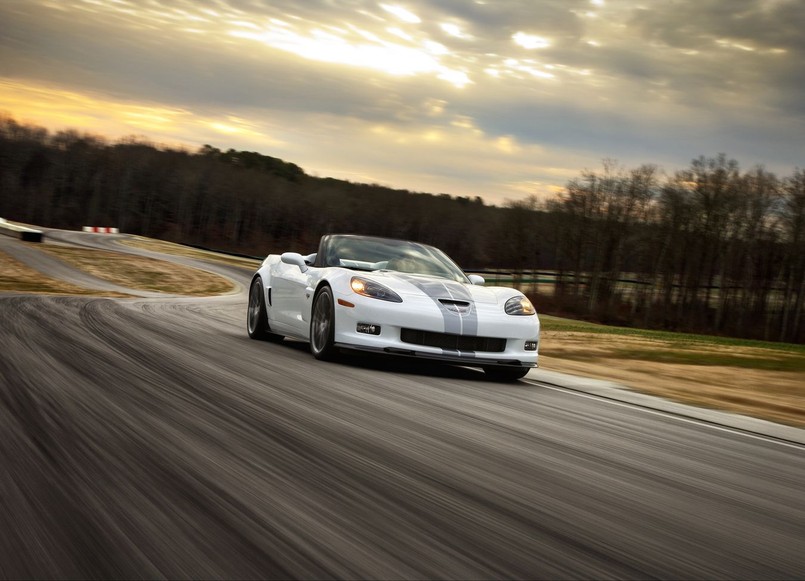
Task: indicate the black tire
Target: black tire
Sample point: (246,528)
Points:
(506,374)
(322,326)
(256,319)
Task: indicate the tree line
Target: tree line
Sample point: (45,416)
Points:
(707,249)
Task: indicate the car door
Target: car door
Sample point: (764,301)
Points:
(290,300)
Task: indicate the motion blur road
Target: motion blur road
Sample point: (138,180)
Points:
(152,438)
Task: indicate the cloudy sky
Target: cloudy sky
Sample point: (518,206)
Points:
(495,98)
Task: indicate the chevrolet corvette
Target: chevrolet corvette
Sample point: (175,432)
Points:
(392,297)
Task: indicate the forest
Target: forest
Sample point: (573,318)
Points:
(710,248)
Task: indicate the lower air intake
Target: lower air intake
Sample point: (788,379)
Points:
(449,341)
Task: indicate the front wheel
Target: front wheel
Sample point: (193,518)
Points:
(506,374)
(256,318)
(322,326)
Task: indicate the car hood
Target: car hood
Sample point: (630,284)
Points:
(439,288)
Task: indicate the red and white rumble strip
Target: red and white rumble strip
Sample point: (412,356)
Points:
(101,230)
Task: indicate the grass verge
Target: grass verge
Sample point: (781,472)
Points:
(17,277)
(756,378)
(677,339)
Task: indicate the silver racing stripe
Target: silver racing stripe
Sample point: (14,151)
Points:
(455,323)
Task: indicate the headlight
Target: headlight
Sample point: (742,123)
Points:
(519,306)
(370,288)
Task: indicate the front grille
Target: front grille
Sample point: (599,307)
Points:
(448,341)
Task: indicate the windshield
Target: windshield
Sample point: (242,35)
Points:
(373,254)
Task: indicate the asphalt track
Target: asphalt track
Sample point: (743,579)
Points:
(149,438)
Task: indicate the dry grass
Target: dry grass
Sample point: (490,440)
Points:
(757,380)
(142,273)
(17,277)
(180,250)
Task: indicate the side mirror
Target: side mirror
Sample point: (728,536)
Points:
(478,280)
(294,258)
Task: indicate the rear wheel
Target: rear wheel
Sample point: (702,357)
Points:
(322,325)
(256,319)
(506,373)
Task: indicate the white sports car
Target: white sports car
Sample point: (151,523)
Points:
(396,297)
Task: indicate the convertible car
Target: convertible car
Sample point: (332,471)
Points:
(393,297)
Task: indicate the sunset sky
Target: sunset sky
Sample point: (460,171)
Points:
(497,98)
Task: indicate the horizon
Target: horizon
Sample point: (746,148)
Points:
(499,101)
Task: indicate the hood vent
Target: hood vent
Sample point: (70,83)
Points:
(456,306)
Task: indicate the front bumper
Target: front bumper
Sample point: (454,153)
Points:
(422,314)
(463,358)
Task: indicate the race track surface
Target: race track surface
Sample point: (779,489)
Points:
(152,438)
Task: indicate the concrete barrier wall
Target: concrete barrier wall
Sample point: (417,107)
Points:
(22,232)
